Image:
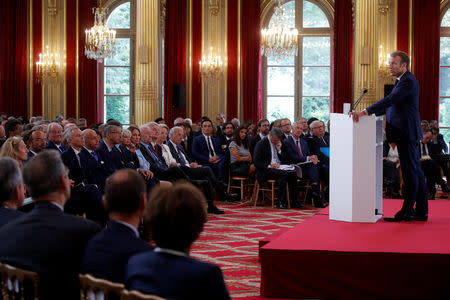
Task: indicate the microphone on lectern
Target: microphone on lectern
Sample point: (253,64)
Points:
(359,99)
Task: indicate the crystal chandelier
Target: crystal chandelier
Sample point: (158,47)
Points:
(47,67)
(211,66)
(279,40)
(100,40)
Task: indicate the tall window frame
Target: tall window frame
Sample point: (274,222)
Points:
(444,73)
(121,33)
(304,32)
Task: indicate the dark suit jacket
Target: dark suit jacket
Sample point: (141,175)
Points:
(95,171)
(401,107)
(7,215)
(129,159)
(252,143)
(315,144)
(50,242)
(29,155)
(107,253)
(291,151)
(111,163)
(175,153)
(200,150)
(175,277)
(263,157)
(76,170)
(188,148)
(51,145)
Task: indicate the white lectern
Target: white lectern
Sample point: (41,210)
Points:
(356,168)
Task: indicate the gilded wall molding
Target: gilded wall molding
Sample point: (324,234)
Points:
(214,7)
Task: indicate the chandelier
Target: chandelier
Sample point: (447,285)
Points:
(48,66)
(279,40)
(211,66)
(100,40)
(383,65)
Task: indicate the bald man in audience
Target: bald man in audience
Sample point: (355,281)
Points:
(46,240)
(11,190)
(107,253)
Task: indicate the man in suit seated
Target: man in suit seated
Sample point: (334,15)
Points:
(316,141)
(96,172)
(54,137)
(220,121)
(196,171)
(268,158)
(263,129)
(175,218)
(46,240)
(297,151)
(207,151)
(36,142)
(11,190)
(107,253)
(286,127)
(107,151)
(439,150)
(305,125)
(84,197)
(430,166)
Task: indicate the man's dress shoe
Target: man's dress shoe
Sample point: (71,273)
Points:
(399,217)
(421,218)
(212,209)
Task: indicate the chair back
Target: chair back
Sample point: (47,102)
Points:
(15,282)
(92,288)
(136,295)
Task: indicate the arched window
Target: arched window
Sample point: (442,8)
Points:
(300,85)
(444,92)
(116,84)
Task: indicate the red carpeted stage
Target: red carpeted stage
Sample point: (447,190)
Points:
(327,259)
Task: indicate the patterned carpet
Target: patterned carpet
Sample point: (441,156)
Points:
(231,241)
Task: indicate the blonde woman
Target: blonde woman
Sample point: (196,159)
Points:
(15,148)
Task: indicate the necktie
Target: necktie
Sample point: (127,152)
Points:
(299,148)
(181,156)
(210,148)
(156,159)
(396,81)
(61,148)
(94,155)
(275,153)
(112,154)
(324,141)
(156,149)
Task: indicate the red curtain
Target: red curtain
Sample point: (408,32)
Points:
(71,40)
(196,112)
(87,72)
(251,59)
(174,55)
(232,47)
(13,58)
(403,25)
(37,48)
(342,61)
(426,26)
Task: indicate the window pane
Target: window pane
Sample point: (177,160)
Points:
(445,82)
(280,107)
(445,51)
(280,80)
(316,51)
(316,81)
(446,19)
(313,16)
(118,108)
(120,17)
(122,56)
(318,107)
(446,133)
(288,15)
(283,61)
(117,81)
(444,112)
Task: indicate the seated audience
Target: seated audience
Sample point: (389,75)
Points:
(96,171)
(54,137)
(13,127)
(425,126)
(240,157)
(236,123)
(175,218)
(165,151)
(430,167)
(297,151)
(263,128)
(15,148)
(107,253)
(36,142)
(227,135)
(2,135)
(286,127)
(206,149)
(267,159)
(128,151)
(220,121)
(46,240)
(391,169)
(305,125)
(11,190)
(160,120)
(316,142)
(107,151)
(188,137)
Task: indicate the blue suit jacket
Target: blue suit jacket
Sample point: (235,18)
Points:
(175,277)
(95,171)
(7,215)
(401,107)
(291,151)
(110,163)
(107,253)
(51,145)
(76,170)
(200,150)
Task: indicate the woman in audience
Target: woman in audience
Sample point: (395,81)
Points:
(175,218)
(162,138)
(128,151)
(15,148)
(240,157)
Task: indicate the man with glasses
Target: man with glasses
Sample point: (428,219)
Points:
(107,151)
(263,129)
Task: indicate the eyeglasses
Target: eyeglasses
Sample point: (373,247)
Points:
(265,125)
(318,127)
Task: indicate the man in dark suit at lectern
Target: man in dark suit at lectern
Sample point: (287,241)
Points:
(401,107)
